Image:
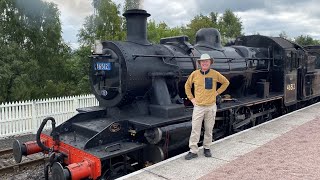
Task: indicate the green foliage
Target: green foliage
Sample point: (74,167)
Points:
(17,73)
(306,40)
(86,34)
(161,30)
(229,25)
(106,24)
(78,66)
(33,55)
(198,22)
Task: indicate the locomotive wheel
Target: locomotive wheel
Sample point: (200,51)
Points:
(268,116)
(117,170)
(259,119)
(275,113)
(243,117)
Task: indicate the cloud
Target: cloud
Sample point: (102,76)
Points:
(294,17)
(219,6)
(173,13)
(290,19)
(73,13)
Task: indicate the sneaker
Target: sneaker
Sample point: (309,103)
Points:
(207,153)
(190,155)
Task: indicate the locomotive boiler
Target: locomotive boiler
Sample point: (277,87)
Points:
(144,116)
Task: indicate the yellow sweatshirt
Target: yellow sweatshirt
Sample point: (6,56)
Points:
(205,86)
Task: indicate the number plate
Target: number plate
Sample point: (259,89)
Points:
(102,66)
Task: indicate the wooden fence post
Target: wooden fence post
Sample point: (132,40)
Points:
(75,103)
(34,117)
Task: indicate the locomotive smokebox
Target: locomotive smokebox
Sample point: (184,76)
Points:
(131,70)
(136,23)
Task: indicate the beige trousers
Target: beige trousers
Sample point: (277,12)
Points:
(200,114)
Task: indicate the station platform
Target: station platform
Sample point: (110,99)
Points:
(287,147)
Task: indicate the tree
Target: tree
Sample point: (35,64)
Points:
(78,65)
(32,50)
(105,24)
(284,35)
(214,17)
(306,40)
(161,30)
(17,73)
(230,25)
(198,22)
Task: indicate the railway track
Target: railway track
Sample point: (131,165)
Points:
(6,151)
(9,166)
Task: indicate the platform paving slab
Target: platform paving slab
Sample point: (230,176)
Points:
(294,156)
(229,149)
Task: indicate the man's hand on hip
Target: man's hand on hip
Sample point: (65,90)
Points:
(194,102)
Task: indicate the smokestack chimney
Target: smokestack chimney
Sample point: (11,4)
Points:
(137,24)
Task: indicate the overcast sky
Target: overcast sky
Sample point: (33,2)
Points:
(266,17)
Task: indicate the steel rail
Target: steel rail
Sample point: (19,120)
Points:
(6,151)
(20,166)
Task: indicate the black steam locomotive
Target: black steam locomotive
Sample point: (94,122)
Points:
(144,116)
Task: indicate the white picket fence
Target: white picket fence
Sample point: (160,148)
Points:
(26,117)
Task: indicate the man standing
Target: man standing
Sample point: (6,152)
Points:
(204,102)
